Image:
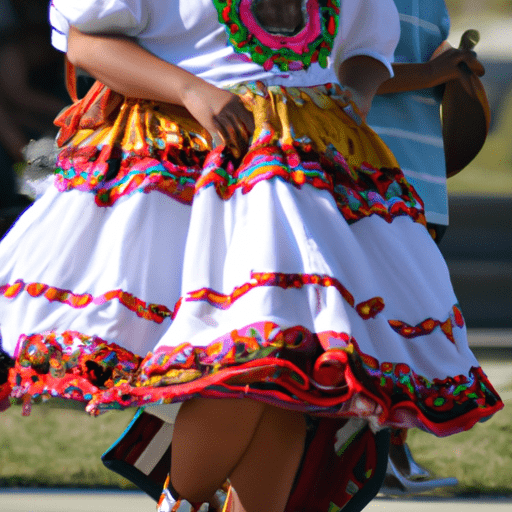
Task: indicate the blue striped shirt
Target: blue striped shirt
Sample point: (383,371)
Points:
(409,123)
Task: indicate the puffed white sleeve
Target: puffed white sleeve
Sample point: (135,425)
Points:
(128,17)
(367,27)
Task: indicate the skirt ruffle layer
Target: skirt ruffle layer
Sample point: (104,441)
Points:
(285,368)
(300,274)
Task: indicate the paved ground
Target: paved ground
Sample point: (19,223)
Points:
(26,501)
(489,341)
(424,505)
(23,501)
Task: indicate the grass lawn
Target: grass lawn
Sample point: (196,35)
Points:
(62,448)
(58,448)
(482,181)
(481,458)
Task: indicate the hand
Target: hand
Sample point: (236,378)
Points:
(454,64)
(125,67)
(221,113)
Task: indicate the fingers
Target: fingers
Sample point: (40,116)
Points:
(476,66)
(454,64)
(465,81)
(222,114)
(470,61)
(235,125)
(467,65)
(233,134)
(239,135)
(469,58)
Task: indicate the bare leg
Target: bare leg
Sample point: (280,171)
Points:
(257,446)
(264,476)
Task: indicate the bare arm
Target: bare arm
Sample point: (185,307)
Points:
(362,75)
(126,67)
(442,69)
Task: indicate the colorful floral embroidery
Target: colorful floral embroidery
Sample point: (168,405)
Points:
(298,164)
(258,279)
(154,312)
(135,174)
(325,96)
(262,361)
(115,146)
(370,308)
(142,146)
(428,325)
(313,42)
(6,363)
(69,365)
(366,309)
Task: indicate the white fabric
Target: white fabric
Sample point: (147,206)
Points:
(187,33)
(311,239)
(157,249)
(368,27)
(103,249)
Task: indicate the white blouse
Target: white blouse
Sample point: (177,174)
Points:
(188,33)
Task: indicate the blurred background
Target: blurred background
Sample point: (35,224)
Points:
(478,243)
(477,246)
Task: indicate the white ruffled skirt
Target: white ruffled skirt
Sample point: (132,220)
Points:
(302,275)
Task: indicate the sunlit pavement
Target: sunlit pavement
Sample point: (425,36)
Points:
(419,504)
(69,501)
